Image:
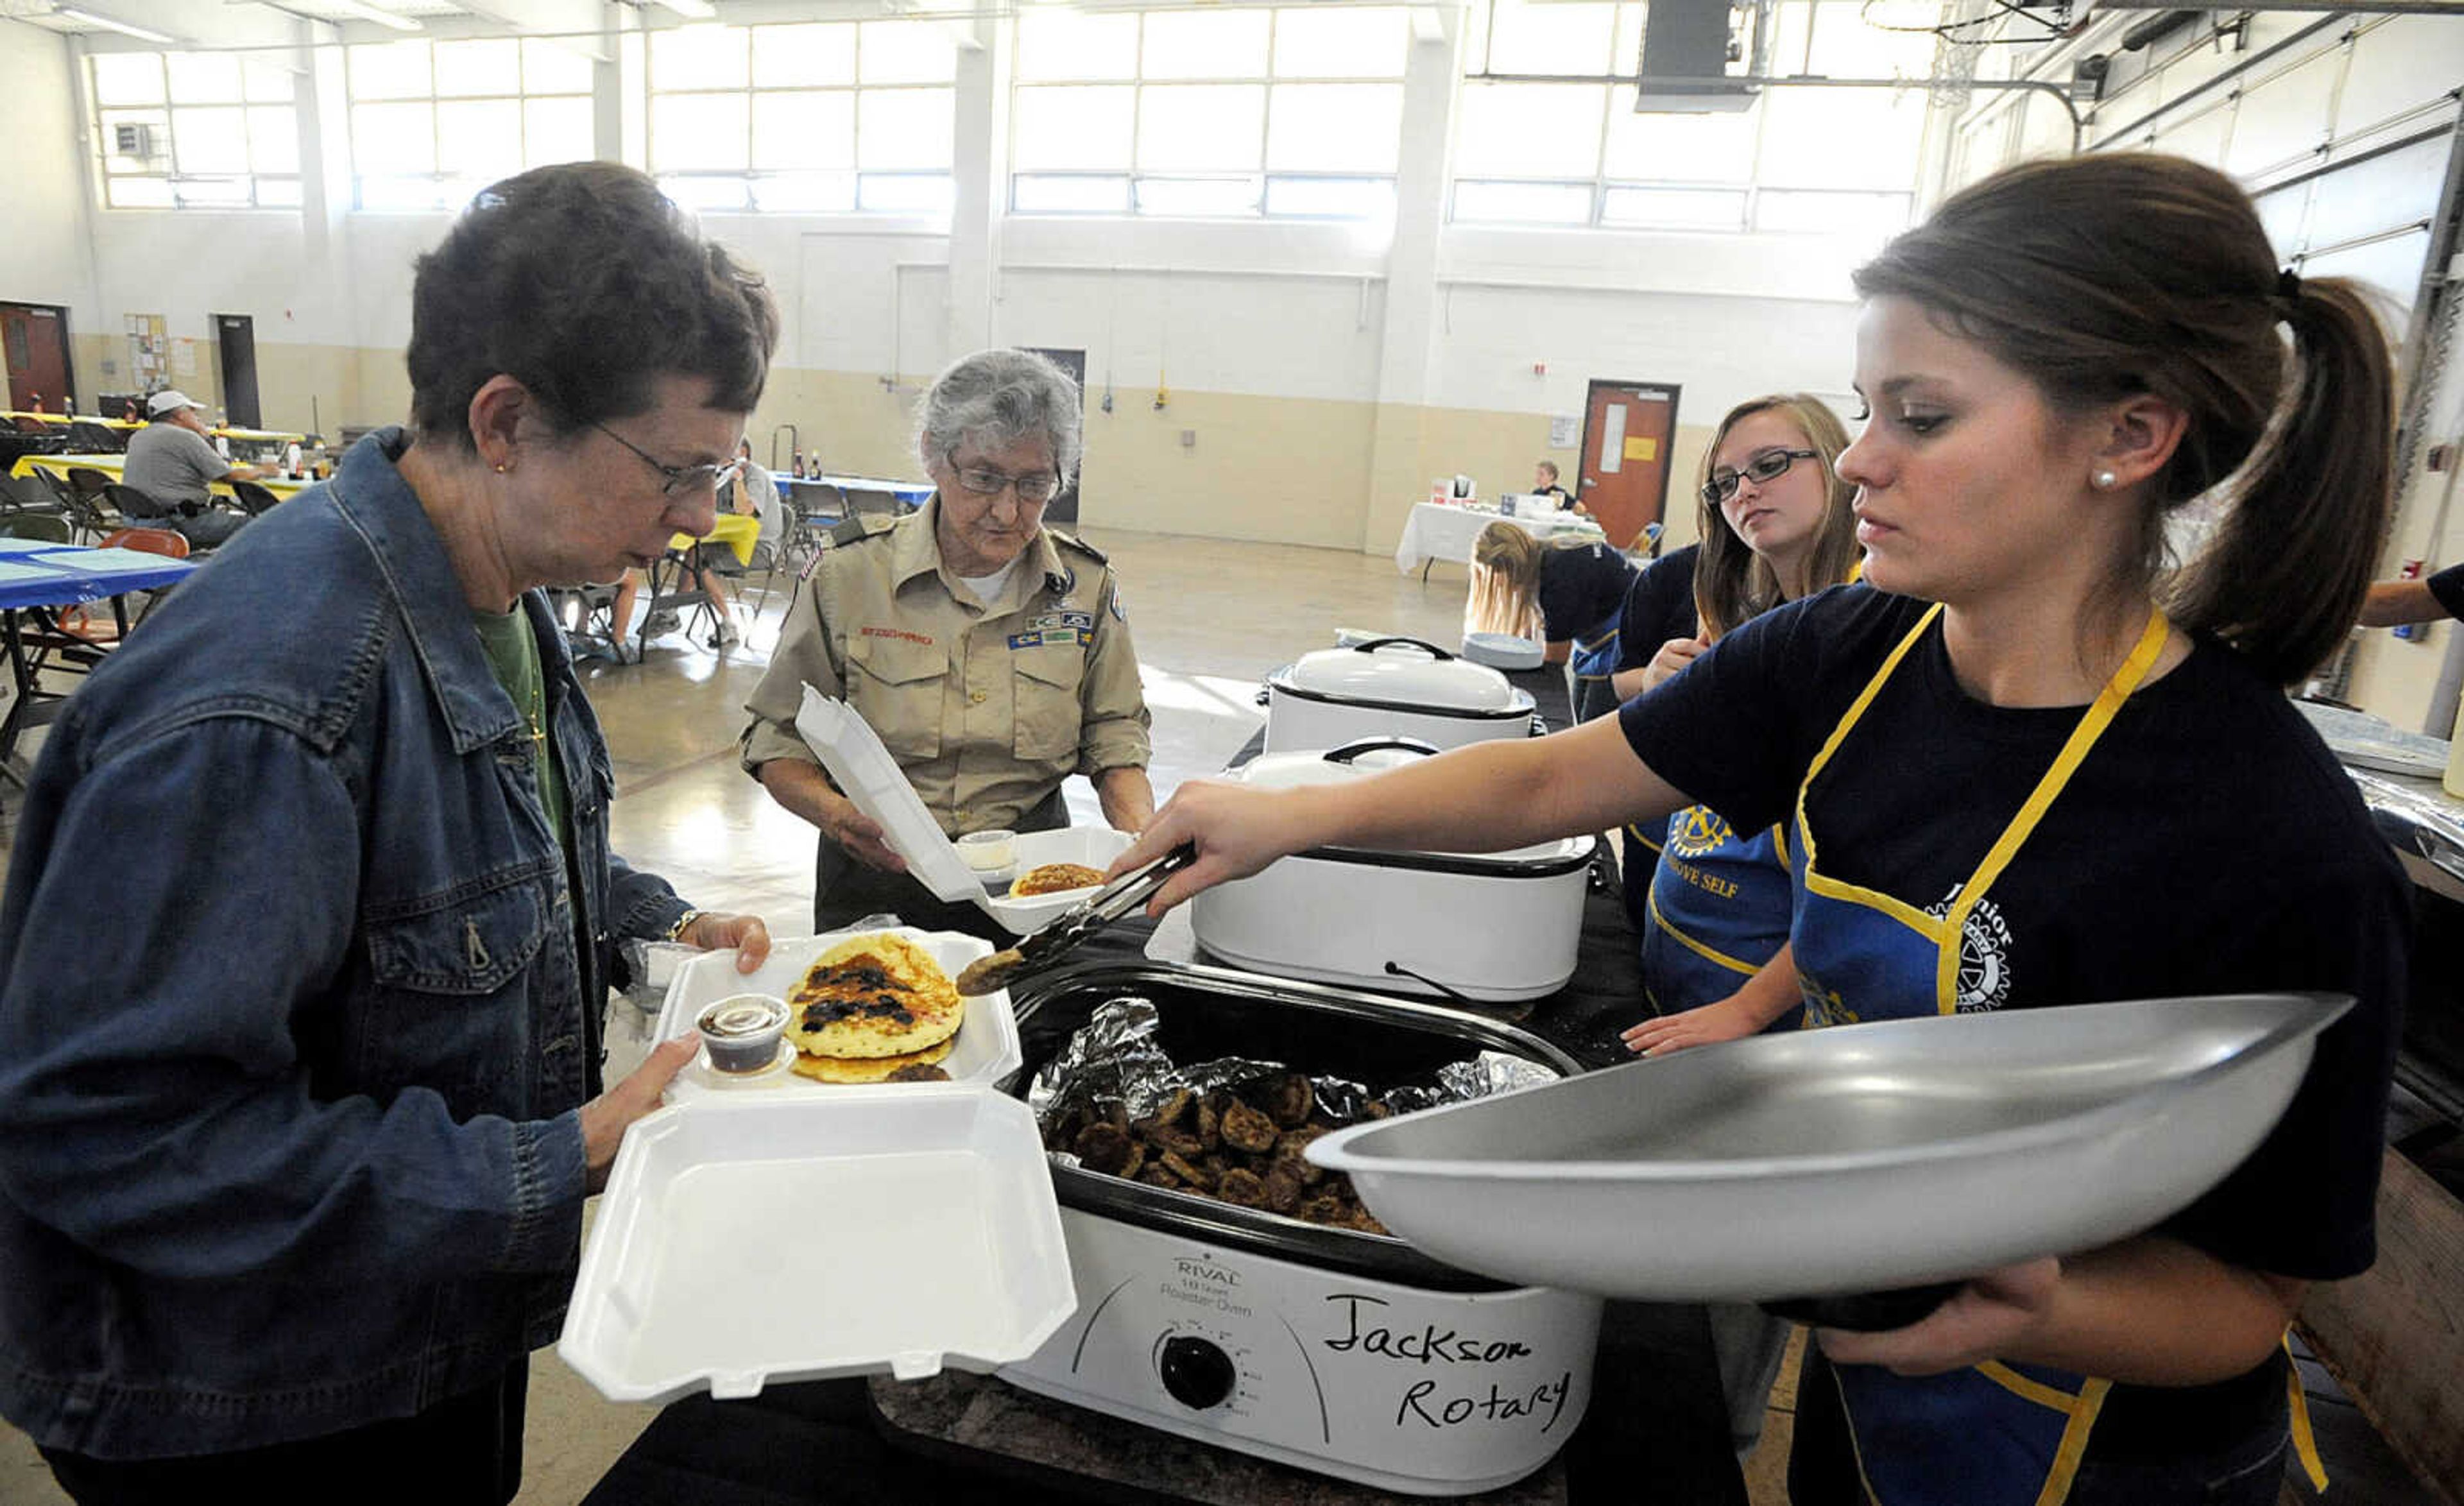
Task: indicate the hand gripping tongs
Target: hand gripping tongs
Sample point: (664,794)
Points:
(1091,915)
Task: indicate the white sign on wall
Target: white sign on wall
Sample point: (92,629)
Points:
(1564,431)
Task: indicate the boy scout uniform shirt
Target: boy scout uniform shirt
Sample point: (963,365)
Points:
(986,708)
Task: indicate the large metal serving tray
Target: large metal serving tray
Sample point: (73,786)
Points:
(1855,1159)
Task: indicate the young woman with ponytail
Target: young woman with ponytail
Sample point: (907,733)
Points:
(2029,763)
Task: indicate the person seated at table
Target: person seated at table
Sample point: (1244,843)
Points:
(990,653)
(1567,596)
(1543,484)
(312,917)
(701,565)
(173,461)
(2392,603)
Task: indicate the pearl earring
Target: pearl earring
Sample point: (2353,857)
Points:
(2103,480)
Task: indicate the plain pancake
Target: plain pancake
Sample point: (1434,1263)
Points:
(1053,879)
(873,996)
(869,1069)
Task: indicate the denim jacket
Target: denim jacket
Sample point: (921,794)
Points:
(294,1016)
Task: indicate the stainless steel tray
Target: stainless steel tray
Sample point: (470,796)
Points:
(1847,1160)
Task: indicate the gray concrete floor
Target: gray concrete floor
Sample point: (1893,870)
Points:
(1210,618)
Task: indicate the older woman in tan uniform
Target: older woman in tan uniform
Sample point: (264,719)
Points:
(991,655)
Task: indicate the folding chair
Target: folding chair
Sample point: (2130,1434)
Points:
(254,500)
(150,541)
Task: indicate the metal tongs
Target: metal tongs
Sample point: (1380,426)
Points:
(1091,915)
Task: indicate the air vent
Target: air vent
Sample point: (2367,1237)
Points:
(134,139)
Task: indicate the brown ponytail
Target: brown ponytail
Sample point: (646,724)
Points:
(2108,276)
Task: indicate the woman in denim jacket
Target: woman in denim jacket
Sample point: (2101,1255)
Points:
(312,913)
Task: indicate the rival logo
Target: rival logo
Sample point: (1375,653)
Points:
(1203,1270)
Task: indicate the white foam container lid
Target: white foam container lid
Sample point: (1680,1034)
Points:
(987,1048)
(863,770)
(782,1237)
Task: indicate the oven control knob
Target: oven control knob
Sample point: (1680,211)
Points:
(1198,1374)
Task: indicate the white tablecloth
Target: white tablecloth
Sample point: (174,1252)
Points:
(1446,531)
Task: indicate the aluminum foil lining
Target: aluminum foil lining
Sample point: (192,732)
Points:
(1115,1057)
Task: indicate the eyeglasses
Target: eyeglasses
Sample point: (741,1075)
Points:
(679,478)
(1033,491)
(1769,466)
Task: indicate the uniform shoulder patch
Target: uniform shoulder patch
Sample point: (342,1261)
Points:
(857,528)
(1068,541)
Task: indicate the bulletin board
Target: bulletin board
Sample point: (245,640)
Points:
(150,352)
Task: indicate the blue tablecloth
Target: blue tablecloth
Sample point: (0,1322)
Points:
(63,575)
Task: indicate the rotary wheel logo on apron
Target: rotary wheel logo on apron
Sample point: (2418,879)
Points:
(1984,980)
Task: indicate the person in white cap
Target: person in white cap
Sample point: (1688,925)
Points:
(174,460)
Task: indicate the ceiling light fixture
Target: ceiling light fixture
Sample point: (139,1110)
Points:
(91,19)
(692,9)
(377,13)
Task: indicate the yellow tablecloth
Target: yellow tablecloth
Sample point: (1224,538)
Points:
(738,531)
(60,465)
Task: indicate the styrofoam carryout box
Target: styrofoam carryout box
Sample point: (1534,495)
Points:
(987,1048)
(863,770)
(779,1236)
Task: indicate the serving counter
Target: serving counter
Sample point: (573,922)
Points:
(1657,1429)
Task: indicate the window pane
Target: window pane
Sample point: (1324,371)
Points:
(1341,44)
(393,139)
(1201,127)
(906,52)
(553,68)
(1029,194)
(389,71)
(210,140)
(804,130)
(1538,130)
(698,58)
(469,68)
(402,193)
(557,130)
(1675,208)
(1553,38)
(1332,198)
(905,193)
(1201,44)
(1197,197)
(211,192)
(903,128)
(706,193)
(1072,125)
(793,57)
(139,193)
(273,139)
(1335,128)
(278,193)
(1523,203)
(1841,138)
(128,78)
(806,192)
(1689,148)
(1846,47)
(203,77)
(152,155)
(1054,45)
(480,139)
(698,131)
(1818,212)
(266,83)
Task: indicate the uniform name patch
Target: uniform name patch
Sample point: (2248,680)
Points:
(923,638)
(1050,637)
(1082,620)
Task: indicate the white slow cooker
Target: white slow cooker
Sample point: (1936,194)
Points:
(1486,927)
(1346,1352)
(1391,686)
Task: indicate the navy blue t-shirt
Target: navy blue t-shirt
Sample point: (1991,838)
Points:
(1659,605)
(1581,589)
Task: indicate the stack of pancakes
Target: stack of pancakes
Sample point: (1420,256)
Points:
(874,1009)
